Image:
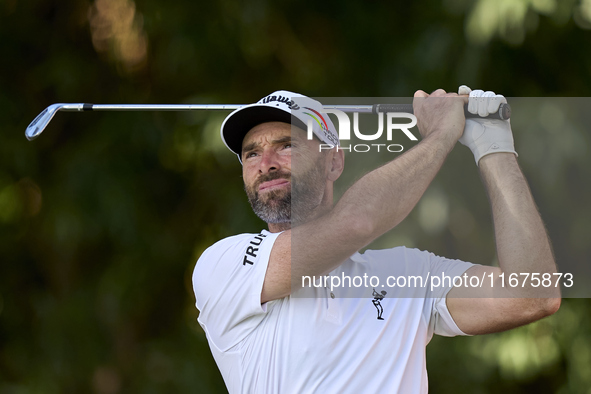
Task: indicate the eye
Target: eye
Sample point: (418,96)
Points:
(250,154)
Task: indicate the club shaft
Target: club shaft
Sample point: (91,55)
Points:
(196,107)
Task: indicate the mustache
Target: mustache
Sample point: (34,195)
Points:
(271,177)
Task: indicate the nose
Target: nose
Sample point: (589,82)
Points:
(269,161)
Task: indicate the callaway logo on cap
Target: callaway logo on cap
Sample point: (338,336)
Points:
(280,106)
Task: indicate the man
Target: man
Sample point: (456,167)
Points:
(269,332)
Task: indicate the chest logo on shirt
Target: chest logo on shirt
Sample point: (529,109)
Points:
(252,249)
(377,298)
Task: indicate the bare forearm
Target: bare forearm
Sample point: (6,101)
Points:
(384,197)
(523,249)
(522,243)
(373,205)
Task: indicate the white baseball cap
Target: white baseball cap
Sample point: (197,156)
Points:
(280,106)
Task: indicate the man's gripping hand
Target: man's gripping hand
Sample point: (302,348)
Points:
(485,136)
(439,113)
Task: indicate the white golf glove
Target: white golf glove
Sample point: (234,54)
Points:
(486,136)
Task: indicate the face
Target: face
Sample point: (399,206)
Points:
(268,152)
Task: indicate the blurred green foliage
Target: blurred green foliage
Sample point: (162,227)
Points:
(103,217)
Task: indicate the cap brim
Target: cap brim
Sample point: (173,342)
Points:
(241,121)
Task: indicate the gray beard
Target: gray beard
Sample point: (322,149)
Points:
(277,205)
(276,208)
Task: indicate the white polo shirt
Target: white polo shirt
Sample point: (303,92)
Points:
(318,343)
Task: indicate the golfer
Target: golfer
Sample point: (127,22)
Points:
(273,331)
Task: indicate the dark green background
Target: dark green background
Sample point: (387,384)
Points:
(103,217)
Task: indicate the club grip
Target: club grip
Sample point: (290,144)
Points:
(503,113)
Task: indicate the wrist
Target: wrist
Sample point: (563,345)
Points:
(443,137)
(497,159)
(497,164)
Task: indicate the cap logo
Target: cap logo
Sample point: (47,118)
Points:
(322,124)
(281,99)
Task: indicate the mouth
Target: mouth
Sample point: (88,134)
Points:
(273,185)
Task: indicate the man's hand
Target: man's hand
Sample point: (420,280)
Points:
(440,113)
(486,136)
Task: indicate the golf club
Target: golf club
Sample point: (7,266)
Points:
(39,124)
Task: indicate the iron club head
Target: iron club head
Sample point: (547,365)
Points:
(38,124)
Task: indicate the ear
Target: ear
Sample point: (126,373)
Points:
(336,165)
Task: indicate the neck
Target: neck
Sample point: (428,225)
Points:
(278,227)
(316,213)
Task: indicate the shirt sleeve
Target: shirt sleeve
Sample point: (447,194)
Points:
(440,321)
(228,281)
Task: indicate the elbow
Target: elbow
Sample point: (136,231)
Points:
(550,302)
(529,310)
(551,306)
(363,230)
(356,227)
(543,307)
